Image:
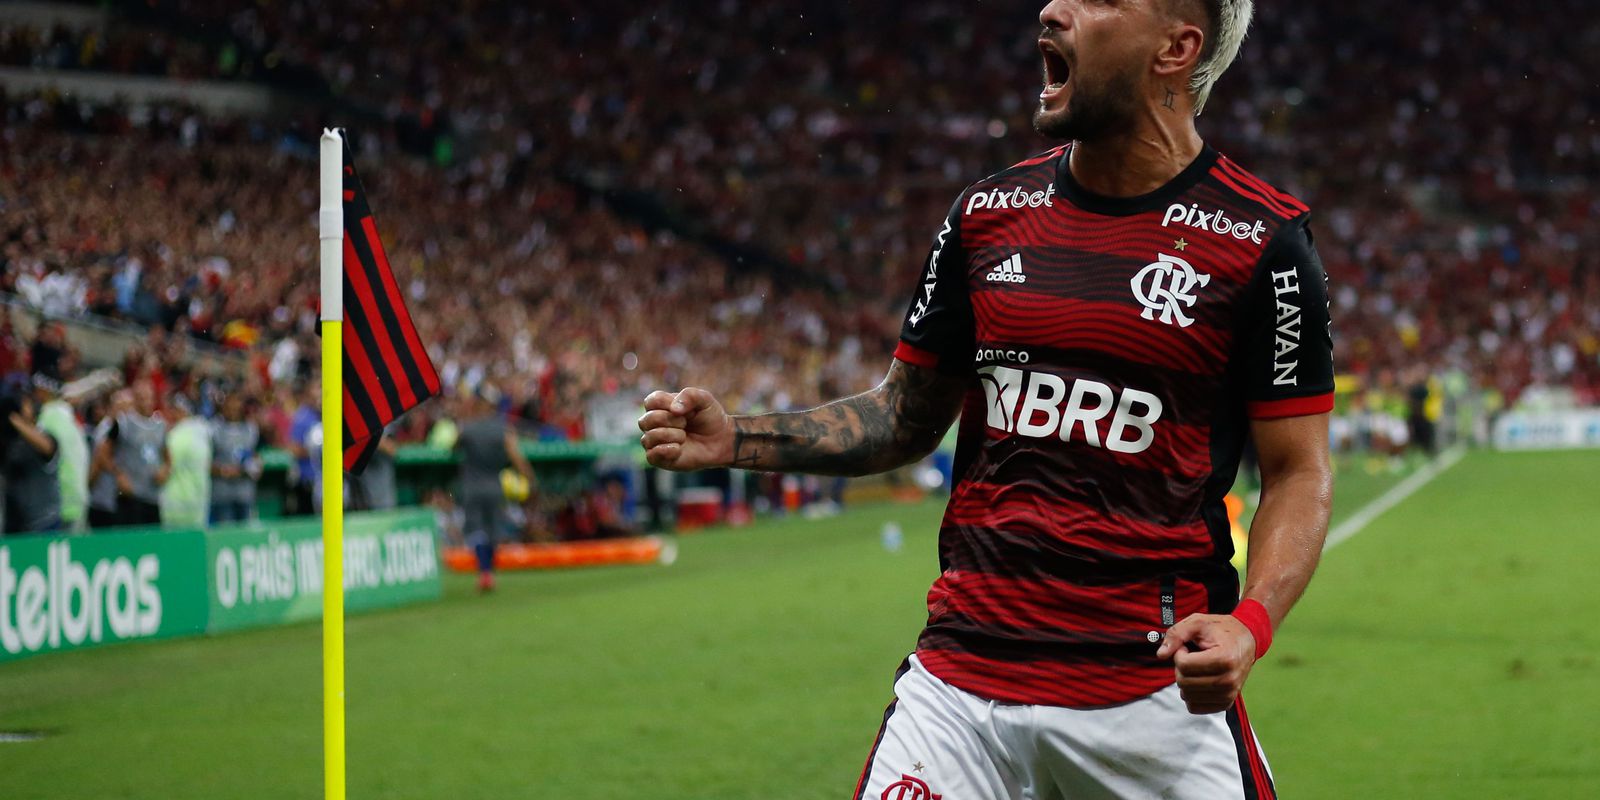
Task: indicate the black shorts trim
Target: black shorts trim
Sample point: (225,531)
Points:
(1257,781)
(872,755)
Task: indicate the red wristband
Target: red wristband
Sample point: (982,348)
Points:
(1254,616)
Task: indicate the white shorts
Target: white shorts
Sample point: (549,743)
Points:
(941,743)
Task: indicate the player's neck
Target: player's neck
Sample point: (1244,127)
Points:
(1138,162)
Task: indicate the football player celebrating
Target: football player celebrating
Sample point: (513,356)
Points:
(1110,320)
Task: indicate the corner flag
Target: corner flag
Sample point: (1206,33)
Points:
(388,371)
(389,375)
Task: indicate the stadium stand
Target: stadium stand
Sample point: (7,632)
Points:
(567,231)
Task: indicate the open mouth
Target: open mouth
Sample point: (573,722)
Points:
(1056,69)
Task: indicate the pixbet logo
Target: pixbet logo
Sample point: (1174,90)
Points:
(1041,405)
(908,788)
(1213,221)
(1167,285)
(998,199)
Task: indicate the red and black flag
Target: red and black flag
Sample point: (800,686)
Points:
(386,369)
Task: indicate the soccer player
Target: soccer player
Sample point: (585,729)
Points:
(487,444)
(1110,319)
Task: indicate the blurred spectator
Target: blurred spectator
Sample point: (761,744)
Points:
(305,429)
(236,462)
(599,512)
(49,347)
(57,418)
(444,432)
(185,473)
(11,347)
(447,515)
(374,488)
(32,461)
(313,446)
(104,486)
(130,453)
(277,418)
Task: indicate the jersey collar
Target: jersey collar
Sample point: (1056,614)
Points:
(1069,187)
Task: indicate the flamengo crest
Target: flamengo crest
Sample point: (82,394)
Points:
(908,788)
(1167,286)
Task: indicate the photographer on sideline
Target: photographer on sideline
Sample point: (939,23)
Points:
(33,492)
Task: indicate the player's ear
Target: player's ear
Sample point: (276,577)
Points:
(1180,51)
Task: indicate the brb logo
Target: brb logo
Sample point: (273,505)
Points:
(908,788)
(1167,285)
(1041,405)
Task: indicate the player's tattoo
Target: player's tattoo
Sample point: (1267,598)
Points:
(1168,103)
(901,420)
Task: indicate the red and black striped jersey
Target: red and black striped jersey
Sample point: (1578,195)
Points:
(1117,349)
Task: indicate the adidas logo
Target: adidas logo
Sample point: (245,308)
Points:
(1008,271)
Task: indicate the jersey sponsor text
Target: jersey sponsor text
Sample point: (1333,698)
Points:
(1015,356)
(1039,405)
(1001,199)
(931,281)
(1213,221)
(1286,282)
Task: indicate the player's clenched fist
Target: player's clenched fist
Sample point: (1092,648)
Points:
(1212,655)
(686,430)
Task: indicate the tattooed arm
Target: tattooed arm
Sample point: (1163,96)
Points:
(897,423)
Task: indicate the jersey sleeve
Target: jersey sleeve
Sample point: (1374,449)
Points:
(938,328)
(1287,336)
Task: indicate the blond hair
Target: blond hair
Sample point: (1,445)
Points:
(1229,21)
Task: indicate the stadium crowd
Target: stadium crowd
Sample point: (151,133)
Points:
(149,442)
(1448,174)
(157,440)
(137,50)
(192,232)
(1455,216)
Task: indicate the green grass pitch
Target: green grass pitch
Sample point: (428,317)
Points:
(1448,651)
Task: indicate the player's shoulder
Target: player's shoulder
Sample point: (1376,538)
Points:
(1039,164)
(1250,193)
(1029,183)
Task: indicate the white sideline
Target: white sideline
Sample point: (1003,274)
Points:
(1364,516)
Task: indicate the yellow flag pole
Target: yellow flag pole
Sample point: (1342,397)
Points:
(330,229)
